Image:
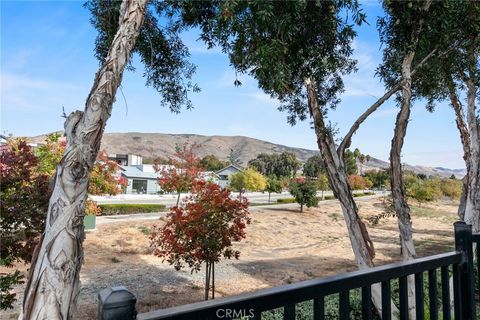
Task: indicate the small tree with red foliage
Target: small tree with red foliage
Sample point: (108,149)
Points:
(202,230)
(24,196)
(357,182)
(104,178)
(183,170)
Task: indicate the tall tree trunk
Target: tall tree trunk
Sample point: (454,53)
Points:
(465,139)
(53,284)
(362,246)
(472,205)
(396,178)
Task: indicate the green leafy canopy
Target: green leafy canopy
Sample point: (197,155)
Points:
(159,46)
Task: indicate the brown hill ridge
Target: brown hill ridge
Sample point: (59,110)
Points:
(153,145)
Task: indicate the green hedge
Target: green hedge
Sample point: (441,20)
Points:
(363,194)
(286,200)
(304,310)
(329,197)
(114,209)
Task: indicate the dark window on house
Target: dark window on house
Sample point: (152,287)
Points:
(139,186)
(223,177)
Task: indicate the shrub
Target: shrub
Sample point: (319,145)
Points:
(23,205)
(356,195)
(304,310)
(286,200)
(357,182)
(114,209)
(424,190)
(304,192)
(451,188)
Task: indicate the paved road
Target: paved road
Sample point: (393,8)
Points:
(170,200)
(102,220)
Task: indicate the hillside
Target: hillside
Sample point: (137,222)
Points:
(153,145)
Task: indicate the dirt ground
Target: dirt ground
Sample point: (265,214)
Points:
(282,246)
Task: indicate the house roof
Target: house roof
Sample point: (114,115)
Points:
(135,172)
(227,167)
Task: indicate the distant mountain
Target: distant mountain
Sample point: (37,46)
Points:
(153,145)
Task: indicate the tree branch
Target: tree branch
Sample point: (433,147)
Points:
(347,140)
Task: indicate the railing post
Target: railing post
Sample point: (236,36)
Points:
(116,303)
(463,243)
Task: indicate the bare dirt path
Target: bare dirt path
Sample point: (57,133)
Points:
(282,246)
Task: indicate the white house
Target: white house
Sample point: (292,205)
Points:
(225,173)
(141,179)
(126,159)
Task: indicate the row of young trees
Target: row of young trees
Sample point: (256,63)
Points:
(298,53)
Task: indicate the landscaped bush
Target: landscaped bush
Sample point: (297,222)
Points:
(286,200)
(304,310)
(356,195)
(330,197)
(114,209)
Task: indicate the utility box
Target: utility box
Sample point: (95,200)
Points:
(116,303)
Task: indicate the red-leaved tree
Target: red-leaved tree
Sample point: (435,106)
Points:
(23,202)
(182,172)
(202,230)
(104,178)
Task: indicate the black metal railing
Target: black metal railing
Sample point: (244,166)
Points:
(458,263)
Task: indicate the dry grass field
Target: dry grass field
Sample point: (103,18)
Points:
(282,246)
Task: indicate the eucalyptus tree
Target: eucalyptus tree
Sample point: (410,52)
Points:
(455,78)
(124,28)
(411,32)
(449,30)
(298,52)
(400,31)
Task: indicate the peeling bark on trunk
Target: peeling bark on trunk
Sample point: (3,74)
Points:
(396,178)
(362,246)
(465,139)
(53,285)
(472,204)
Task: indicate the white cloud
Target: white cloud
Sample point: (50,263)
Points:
(363,83)
(262,98)
(26,94)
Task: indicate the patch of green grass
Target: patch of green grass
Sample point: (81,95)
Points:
(286,200)
(120,208)
(432,213)
(356,195)
(145,230)
(115,260)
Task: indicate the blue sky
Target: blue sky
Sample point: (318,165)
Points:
(47,62)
